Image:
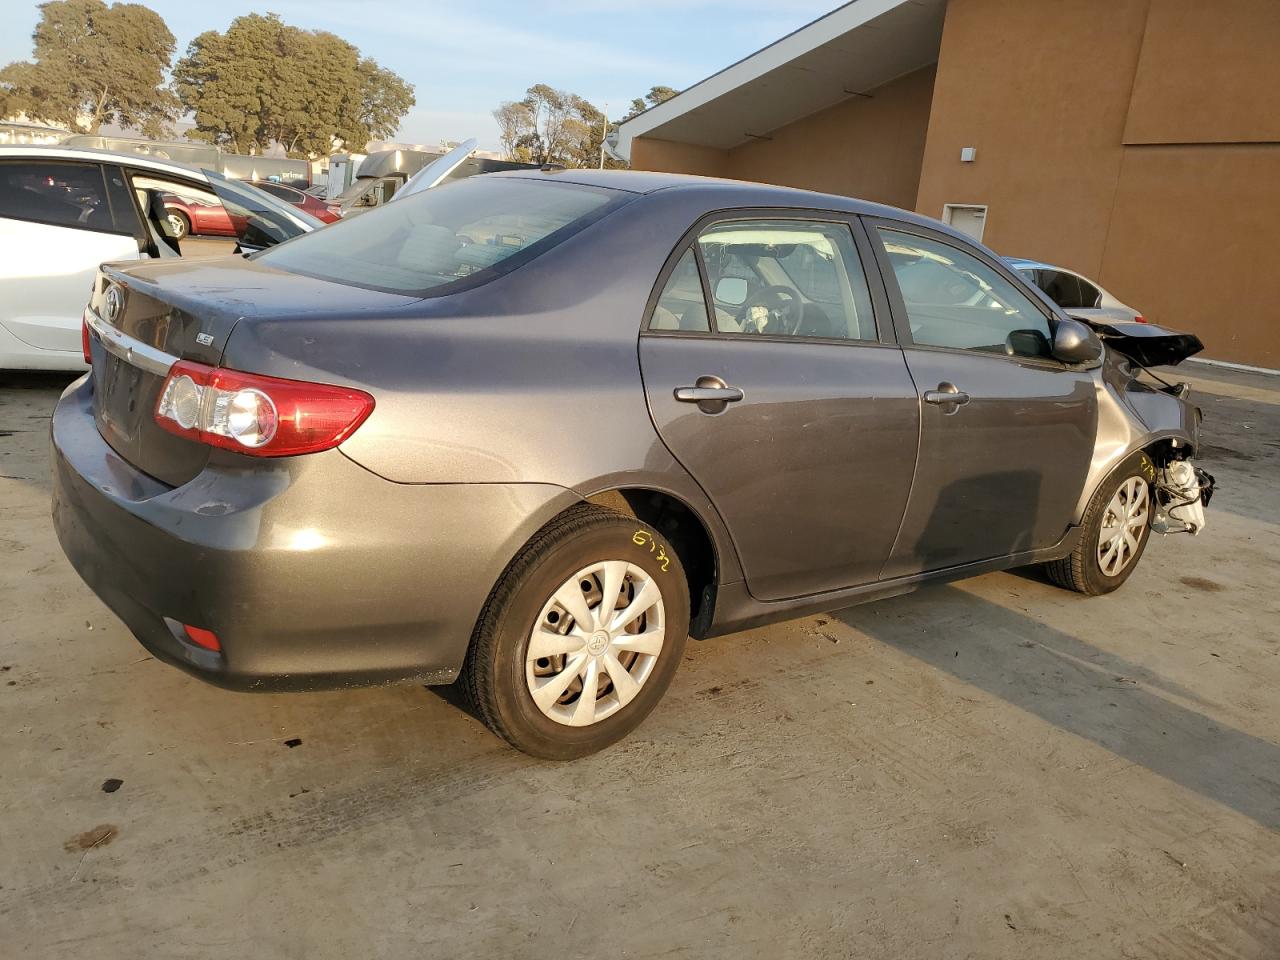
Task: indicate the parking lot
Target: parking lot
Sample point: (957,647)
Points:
(989,769)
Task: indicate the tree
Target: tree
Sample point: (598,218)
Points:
(264,81)
(655,96)
(385,98)
(550,126)
(94,64)
(514,121)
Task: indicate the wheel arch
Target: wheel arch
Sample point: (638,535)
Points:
(1160,447)
(686,530)
(1134,417)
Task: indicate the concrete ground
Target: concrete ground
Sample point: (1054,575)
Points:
(991,769)
(208,246)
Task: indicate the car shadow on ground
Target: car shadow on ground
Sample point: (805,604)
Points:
(1082,690)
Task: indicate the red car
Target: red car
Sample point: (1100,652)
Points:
(328,212)
(197,213)
(202,214)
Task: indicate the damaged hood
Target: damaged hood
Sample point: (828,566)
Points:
(1147,344)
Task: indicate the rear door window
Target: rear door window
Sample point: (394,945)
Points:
(189,194)
(1090,296)
(1063,289)
(57,193)
(682,305)
(797,278)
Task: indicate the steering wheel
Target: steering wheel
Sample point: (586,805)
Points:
(784,305)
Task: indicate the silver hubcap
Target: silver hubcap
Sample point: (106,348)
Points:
(1122,525)
(176,224)
(595,643)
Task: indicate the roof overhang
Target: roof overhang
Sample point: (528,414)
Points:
(848,53)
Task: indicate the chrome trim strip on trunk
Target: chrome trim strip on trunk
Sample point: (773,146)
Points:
(127,348)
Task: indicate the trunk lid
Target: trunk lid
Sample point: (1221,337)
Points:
(435,172)
(186,310)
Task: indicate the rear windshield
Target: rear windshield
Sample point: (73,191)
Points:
(457,235)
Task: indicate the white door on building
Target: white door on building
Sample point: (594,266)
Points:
(969,219)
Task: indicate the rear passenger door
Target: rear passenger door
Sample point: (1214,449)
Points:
(59,219)
(1006,431)
(785,400)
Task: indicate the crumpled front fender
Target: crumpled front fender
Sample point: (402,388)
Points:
(1132,415)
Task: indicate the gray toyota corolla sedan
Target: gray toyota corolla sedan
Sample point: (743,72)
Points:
(531,431)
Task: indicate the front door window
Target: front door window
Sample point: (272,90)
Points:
(955,300)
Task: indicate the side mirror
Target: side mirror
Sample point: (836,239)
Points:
(1027,343)
(1075,342)
(731,290)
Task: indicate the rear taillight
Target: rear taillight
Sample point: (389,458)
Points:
(1139,319)
(84,337)
(257,415)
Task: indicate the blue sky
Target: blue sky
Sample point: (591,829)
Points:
(465,58)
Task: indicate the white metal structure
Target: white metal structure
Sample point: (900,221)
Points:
(969,218)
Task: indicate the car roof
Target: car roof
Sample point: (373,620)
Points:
(745,193)
(92,153)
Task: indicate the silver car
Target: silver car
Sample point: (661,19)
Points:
(1075,293)
(531,431)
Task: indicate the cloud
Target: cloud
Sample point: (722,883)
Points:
(453,39)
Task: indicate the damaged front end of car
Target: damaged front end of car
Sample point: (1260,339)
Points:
(1152,415)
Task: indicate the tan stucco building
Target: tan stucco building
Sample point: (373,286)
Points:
(1135,141)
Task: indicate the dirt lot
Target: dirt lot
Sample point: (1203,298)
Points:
(993,769)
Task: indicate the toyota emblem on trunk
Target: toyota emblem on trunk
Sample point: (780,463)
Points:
(114,301)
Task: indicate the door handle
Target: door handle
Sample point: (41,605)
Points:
(711,394)
(947,393)
(699,394)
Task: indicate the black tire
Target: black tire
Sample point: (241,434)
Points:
(494,674)
(1082,570)
(179,222)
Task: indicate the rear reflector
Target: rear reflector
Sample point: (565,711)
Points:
(1139,319)
(257,415)
(202,638)
(84,336)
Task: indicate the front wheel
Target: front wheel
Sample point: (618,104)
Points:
(581,636)
(1114,534)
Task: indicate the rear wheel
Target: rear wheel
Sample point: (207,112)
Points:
(179,224)
(1116,527)
(581,637)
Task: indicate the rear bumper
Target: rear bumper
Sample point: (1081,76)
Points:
(312,571)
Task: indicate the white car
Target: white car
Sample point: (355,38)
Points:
(65,210)
(1076,294)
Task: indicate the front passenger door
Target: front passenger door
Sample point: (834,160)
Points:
(1006,431)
